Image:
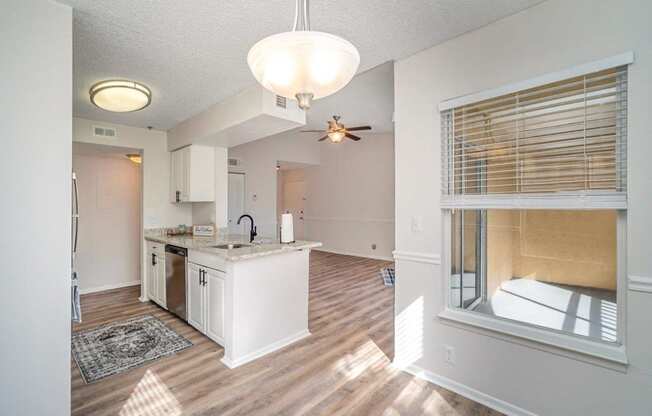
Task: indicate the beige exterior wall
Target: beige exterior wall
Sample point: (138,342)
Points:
(568,247)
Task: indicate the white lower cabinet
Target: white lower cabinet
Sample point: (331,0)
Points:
(206,301)
(214,291)
(195,297)
(155,273)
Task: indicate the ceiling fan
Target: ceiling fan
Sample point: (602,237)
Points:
(336,131)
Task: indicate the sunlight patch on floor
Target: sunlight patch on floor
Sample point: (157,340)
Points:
(151,397)
(362,358)
(409,394)
(435,404)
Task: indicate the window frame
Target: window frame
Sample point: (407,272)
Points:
(615,352)
(552,340)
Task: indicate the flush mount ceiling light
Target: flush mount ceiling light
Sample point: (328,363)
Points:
(120,96)
(303,64)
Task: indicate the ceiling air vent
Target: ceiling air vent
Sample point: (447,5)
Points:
(100,131)
(281,101)
(234,162)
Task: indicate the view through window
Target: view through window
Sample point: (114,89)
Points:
(551,268)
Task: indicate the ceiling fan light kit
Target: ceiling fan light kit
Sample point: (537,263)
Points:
(303,64)
(337,131)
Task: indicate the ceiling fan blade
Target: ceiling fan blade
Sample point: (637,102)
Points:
(323,138)
(359,128)
(352,137)
(311,131)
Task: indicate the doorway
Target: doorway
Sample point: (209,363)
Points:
(109,182)
(292,195)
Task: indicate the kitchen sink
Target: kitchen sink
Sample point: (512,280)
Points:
(230,246)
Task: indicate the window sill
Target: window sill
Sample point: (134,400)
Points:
(595,352)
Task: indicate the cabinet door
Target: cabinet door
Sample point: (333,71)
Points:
(184,177)
(174,173)
(160,282)
(179,163)
(152,280)
(215,305)
(195,297)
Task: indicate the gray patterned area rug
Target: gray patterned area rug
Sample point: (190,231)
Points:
(120,346)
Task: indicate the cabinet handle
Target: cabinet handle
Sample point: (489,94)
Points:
(153,259)
(178,196)
(200,275)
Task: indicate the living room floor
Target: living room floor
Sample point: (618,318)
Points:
(344,367)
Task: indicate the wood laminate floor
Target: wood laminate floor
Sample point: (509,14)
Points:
(343,368)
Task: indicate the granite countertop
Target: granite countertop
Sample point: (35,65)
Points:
(203,244)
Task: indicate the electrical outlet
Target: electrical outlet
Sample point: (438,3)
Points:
(449,354)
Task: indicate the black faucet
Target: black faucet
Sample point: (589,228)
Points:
(252,229)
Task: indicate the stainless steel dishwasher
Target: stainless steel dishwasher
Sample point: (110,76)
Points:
(176,261)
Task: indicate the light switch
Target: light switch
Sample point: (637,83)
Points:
(417,224)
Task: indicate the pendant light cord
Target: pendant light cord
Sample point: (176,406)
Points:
(301,16)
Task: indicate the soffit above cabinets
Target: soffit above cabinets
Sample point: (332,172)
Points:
(250,115)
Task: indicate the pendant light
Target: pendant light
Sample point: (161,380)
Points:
(303,64)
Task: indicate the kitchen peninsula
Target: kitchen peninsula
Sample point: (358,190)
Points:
(251,298)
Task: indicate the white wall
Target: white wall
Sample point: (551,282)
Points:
(350,197)
(35,132)
(349,191)
(551,36)
(157,209)
(108,253)
(259,160)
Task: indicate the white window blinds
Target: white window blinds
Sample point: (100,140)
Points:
(561,144)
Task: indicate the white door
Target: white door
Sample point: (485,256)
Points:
(152,280)
(215,305)
(195,296)
(160,281)
(294,198)
(236,202)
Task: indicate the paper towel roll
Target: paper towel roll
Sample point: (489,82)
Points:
(287,229)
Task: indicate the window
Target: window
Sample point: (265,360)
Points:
(550,268)
(534,196)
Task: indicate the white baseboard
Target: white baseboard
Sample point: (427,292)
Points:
(466,391)
(349,253)
(108,287)
(265,350)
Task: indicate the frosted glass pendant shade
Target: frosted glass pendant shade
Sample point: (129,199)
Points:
(303,65)
(120,96)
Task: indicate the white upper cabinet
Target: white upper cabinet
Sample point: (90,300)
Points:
(192,174)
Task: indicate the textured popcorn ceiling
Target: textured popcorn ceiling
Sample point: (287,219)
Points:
(192,53)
